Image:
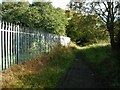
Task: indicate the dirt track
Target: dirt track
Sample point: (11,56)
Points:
(79,76)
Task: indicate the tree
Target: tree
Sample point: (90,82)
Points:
(0,11)
(13,11)
(53,20)
(39,15)
(107,11)
(117,33)
(84,29)
(108,16)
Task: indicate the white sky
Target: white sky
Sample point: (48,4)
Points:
(56,3)
(60,3)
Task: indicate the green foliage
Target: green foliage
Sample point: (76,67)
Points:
(105,63)
(60,60)
(60,56)
(85,29)
(108,12)
(40,15)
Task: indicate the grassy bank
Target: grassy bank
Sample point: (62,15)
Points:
(105,63)
(41,72)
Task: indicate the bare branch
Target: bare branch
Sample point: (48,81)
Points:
(112,12)
(105,6)
(103,12)
(101,17)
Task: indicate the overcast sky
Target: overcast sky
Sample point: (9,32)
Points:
(60,3)
(56,3)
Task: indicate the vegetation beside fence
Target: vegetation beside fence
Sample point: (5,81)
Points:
(41,72)
(47,71)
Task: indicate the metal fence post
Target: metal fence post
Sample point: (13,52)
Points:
(0,49)
(11,50)
(18,43)
(8,45)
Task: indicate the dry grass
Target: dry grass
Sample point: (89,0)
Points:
(74,45)
(11,76)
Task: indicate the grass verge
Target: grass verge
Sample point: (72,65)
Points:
(105,63)
(41,72)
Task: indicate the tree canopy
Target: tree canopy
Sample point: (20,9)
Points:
(40,15)
(84,29)
(106,11)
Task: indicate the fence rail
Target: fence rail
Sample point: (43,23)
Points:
(20,44)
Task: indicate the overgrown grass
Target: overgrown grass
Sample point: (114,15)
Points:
(105,62)
(60,59)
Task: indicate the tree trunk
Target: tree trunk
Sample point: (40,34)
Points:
(112,41)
